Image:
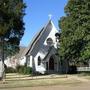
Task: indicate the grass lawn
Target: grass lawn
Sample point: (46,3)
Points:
(18,80)
(39,82)
(85,75)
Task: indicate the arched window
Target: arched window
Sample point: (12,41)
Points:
(39,60)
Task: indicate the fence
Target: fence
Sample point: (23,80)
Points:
(83,68)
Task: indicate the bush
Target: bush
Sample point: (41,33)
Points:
(24,70)
(10,70)
(84,73)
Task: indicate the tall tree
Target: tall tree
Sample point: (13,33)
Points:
(75,29)
(11,26)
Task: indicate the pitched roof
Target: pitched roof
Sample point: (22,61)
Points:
(18,55)
(35,39)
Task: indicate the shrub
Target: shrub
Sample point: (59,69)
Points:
(24,70)
(10,70)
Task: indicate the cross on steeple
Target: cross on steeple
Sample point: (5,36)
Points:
(50,16)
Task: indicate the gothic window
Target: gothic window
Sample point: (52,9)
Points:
(39,60)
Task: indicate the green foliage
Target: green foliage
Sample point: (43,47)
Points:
(19,69)
(84,73)
(11,24)
(10,70)
(24,70)
(75,29)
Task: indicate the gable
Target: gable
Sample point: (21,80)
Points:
(39,41)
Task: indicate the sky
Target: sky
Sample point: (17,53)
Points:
(37,15)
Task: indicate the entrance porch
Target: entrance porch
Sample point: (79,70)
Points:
(53,65)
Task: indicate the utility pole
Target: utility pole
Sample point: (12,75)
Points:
(2,50)
(2,58)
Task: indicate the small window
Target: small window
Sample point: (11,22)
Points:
(49,41)
(39,60)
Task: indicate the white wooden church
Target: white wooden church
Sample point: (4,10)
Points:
(41,52)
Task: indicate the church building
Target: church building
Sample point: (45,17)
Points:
(41,53)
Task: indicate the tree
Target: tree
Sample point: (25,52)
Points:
(75,29)
(11,22)
(11,25)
